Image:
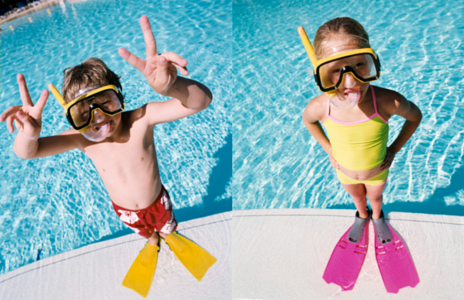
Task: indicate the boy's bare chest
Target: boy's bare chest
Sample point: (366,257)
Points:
(133,155)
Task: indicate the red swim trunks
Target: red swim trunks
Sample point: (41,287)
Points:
(158,216)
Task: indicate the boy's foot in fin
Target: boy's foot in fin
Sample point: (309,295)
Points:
(193,257)
(141,273)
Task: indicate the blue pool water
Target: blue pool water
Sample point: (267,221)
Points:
(277,164)
(55,204)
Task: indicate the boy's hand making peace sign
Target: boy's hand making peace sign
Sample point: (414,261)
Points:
(26,117)
(159,70)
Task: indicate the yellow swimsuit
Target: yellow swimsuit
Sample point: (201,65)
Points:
(360,145)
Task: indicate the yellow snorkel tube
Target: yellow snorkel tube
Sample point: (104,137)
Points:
(308,46)
(57,95)
(311,54)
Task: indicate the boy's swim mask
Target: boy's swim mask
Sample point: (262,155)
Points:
(88,108)
(330,72)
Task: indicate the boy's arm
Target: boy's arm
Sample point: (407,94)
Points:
(189,97)
(160,71)
(46,146)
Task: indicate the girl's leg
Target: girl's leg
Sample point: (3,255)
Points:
(358,193)
(374,193)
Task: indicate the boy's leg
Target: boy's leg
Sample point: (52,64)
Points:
(154,238)
(374,193)
(358,193)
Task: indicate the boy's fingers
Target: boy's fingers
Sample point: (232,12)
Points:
(178,61)
(150,43)
(9,124)
(182,70)
(175,58)
(10,111)
(24,121)
(18,125)
(138,63)
(41,103)
(20,119)
(23,91)
(162,73)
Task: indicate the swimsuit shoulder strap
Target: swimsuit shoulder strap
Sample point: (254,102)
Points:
(375,100)
(375,107)
(328,107)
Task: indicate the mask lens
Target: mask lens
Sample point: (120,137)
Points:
(81,111)
(362,67)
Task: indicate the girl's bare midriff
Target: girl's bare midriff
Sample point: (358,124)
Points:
(360,175)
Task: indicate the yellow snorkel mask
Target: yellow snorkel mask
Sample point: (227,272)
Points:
(82,112)
(330,72)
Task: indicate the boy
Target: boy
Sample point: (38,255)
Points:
(121,146)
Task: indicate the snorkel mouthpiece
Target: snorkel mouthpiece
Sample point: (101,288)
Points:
(97,133)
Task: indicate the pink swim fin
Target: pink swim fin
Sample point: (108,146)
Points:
(346,261)
(395,264)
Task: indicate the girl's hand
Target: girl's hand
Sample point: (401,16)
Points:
(333,162)
(159,70)
(388,159)
(27,118)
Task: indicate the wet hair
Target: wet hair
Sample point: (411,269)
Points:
(345,26)
(92,72)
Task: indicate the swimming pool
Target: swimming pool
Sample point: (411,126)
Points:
(277,164)
(55,204)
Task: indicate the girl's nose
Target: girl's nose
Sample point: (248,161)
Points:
(349,81)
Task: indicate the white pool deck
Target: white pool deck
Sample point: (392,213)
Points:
(272,254)
(282,254)
(96,271)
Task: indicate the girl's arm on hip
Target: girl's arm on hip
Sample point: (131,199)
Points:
(413,116)
(313,114)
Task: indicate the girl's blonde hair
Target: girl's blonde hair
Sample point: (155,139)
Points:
(346,26)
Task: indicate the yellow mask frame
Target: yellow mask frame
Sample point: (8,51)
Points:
(67,106)
(318,63)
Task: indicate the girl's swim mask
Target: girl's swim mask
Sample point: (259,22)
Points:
(331,72)
(90,107)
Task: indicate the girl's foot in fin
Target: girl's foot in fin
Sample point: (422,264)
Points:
(357,229)
(382,231)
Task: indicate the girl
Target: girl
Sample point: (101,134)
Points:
(355,115)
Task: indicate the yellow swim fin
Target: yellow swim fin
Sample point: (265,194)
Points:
(193,257)
(140,274)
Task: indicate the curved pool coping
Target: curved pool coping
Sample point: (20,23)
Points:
(96,271)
